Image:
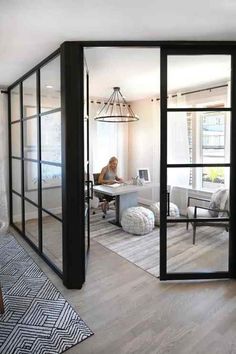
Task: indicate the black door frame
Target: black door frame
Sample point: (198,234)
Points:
(72,96)
(164,274)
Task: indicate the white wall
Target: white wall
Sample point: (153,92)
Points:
(113,142)
(143,144)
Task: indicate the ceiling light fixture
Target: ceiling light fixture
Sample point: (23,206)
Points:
(116,110)
(49,86)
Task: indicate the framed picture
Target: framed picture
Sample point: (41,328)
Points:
(144,175)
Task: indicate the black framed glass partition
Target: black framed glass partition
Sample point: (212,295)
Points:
(49,155)
(35,156)
(196,149)
(46,145)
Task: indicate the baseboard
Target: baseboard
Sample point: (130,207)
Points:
(145,201)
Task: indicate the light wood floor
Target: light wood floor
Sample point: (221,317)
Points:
(130,311)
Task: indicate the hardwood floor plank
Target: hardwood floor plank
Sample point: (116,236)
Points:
(131,311)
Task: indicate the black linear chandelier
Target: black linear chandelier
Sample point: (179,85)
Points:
(116,110)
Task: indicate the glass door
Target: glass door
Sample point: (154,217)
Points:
(195,163)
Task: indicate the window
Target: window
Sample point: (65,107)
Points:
(208,138)
(213,148)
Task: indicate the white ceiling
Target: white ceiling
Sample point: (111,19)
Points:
(137,71)
(30,30)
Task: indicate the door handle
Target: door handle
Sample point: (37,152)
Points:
(90,186)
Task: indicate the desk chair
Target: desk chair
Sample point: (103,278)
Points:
(103,199)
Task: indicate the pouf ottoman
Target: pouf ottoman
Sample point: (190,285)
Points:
(137,220)
(173,211)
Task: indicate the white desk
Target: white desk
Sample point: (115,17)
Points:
(126,196)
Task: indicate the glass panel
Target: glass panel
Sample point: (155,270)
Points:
(51,137)
(52,239)
(31,180)
(215,137)
(31,222)
(16,140)
(50,81)
(17,211)
(16,175)
(207,179)
(30,138)
(208,254)
(210,251)
(51,189)
(29,96)
(15,103)
(198,137)
(199,76)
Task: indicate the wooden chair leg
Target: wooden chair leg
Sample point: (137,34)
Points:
(194,233)
(1,302)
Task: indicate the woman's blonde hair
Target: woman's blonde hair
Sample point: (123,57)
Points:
(113,158)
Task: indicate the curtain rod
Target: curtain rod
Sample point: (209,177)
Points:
(195,91)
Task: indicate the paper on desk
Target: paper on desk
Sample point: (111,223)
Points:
(115,185)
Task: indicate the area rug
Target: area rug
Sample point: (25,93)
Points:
(210,253)
(37,318)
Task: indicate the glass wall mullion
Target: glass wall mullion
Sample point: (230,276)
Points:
(51,214)
(22,159)
(29,159)
(50,112)
(15,192)
(39,159)
(232,240)
(184,220)
(30,117)
(15,121)
(202,109)
(163,165)
(31,202)
(190,165)
(58,164)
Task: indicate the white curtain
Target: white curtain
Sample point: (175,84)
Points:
(4,216)
(177,143)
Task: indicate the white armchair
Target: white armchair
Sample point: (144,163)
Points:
(217,207)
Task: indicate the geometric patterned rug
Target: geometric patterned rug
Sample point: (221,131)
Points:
(37,318)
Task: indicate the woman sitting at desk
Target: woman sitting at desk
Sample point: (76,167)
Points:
(108,174)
